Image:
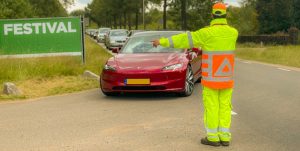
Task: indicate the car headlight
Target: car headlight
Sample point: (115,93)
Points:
(173,67)
(110,68)
(112,41)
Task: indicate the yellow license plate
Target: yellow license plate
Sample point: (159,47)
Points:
(137,81)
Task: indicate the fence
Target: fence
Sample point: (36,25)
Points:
(291,38)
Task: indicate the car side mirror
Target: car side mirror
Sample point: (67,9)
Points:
(115,50)
(195,50)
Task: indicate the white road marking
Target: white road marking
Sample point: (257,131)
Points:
(247,62)
(283,69)
(233,113)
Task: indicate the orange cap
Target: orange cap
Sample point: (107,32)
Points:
(219,9)
(219,5)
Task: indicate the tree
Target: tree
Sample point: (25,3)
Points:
(183,14)
(31,8)
(274,15)
(197,13)
(66,3)
(243,18)
(165,15)
(296,13)
(48,8)
(10,9)
(78,12)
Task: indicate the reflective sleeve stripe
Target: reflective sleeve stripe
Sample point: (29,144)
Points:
(190,39)
(211,130)
(171,42)
(217,52)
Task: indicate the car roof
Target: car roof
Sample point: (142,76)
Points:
(104,28)
(137,30)
(149,33)
(119,30)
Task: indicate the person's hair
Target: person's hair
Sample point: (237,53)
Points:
(217,14)
(222,16)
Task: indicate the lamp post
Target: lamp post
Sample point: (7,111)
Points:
(144,14)
(165,15)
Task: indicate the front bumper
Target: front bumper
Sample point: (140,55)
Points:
(117,45)
(101,39)
(162,81)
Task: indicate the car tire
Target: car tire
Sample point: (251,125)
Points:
(189,83)
(199,80)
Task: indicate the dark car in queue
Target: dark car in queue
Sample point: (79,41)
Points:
(115,39)
(140,67)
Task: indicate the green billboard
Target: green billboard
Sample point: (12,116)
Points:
(41,36)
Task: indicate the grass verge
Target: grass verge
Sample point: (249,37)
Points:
(283,55)
(46,76)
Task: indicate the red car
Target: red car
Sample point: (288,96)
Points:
(140,67)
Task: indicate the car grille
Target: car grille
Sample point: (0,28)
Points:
(139,88)
(120,41)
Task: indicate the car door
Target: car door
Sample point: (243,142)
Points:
(195,56)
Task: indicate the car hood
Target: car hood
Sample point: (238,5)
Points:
(146,61)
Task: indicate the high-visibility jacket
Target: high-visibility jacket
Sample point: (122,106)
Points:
(217,42)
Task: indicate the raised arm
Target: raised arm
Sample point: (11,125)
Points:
(184,40)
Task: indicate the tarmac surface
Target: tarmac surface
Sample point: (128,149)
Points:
(266,105)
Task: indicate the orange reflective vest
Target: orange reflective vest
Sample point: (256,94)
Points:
(218,44)
(217,69)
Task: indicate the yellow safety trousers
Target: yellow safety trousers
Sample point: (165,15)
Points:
(217,113)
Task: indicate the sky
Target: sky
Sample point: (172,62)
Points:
(80,4)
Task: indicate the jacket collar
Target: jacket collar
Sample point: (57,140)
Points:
(218,21)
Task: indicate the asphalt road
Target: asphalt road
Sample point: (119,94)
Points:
(266,100)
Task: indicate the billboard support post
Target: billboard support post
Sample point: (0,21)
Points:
(82,38)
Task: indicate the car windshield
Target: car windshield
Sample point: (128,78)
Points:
(118,33)
(143,44)
(104,31)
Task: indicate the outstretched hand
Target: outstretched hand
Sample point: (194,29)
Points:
(155,43)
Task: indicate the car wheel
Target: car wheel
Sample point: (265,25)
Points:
(189,83)
(199,80)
